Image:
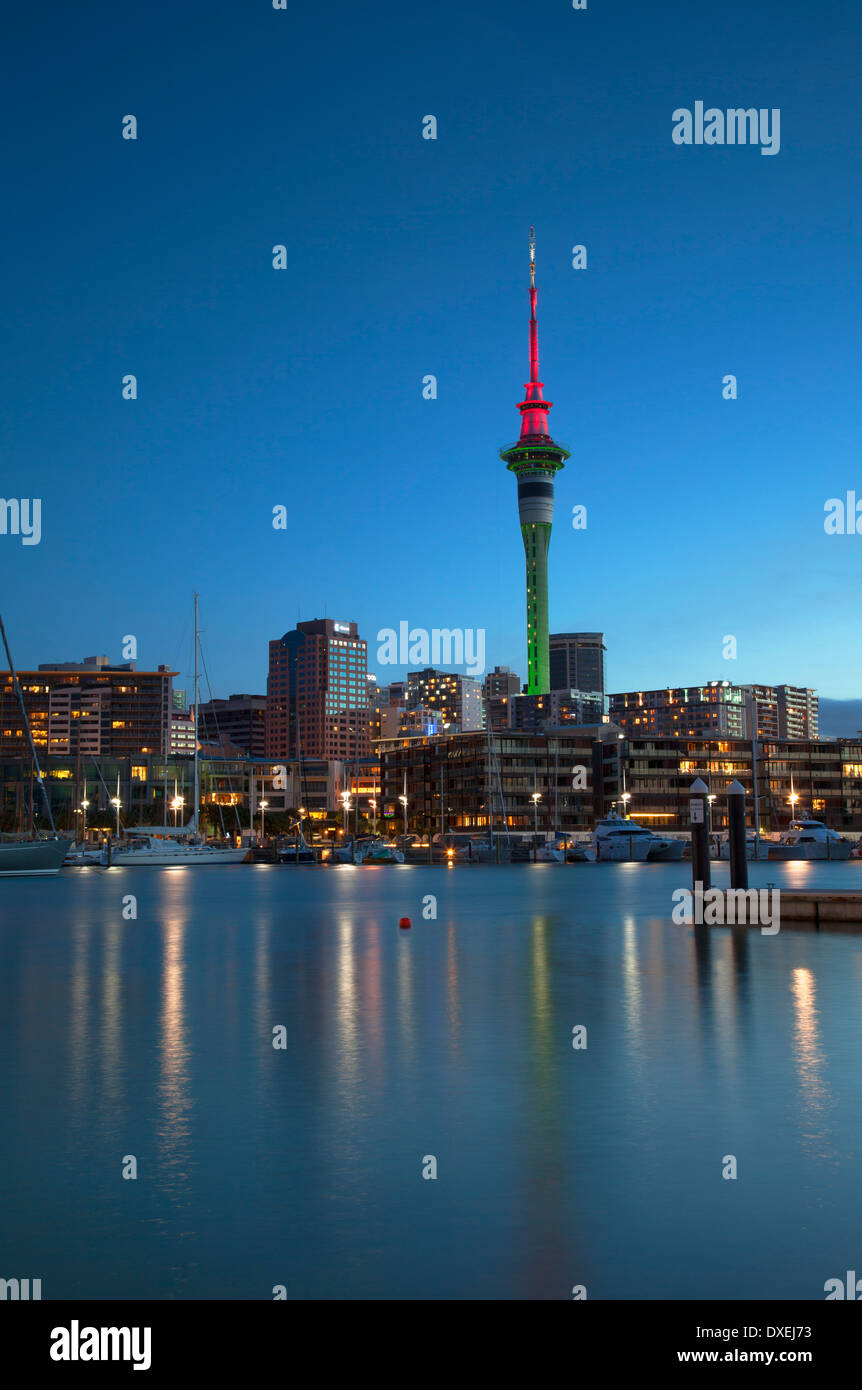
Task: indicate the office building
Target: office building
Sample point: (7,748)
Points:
(239,721)
(317,692)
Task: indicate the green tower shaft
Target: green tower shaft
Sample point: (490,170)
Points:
(535,459)
(537,539)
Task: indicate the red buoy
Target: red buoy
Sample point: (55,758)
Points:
(404,923)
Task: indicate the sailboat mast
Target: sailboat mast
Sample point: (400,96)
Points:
(20,694)
(197,788)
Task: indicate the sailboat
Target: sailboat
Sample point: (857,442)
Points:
(37,857)
(165,846)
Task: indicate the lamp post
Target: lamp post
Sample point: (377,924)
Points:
(345,804)
(84,805)
(625,799)
(116,802)
(373,804)
(176,806)
(403,799)
(263,806)
(536,798)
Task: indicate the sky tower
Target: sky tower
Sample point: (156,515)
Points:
(534,460)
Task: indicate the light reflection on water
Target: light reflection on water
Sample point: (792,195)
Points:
(303,1166)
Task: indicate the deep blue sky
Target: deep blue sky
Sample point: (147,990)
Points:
(409,257)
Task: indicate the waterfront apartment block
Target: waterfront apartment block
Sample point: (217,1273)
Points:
(825,775)
(656,774)
(317,692)
(89,708)
(457,699)
(239,721)
(467,781)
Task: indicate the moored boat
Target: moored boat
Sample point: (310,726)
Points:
(26,858)
(382,853)
(815,840)
(158,848)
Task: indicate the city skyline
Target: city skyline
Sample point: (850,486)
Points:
(256,385)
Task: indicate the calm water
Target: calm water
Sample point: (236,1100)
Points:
(303,1167)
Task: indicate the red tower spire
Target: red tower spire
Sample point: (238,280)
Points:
(534,410)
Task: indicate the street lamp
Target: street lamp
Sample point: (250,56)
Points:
(345,803)
(115,801)
(373,802)
(536,798)
(793,798)
(263,806)
(403,799)
(625,798)
(176,804)
(84,805)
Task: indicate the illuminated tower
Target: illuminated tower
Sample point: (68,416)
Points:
(534,460)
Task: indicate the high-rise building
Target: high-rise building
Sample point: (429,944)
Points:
(499,687)
(239,721)
(577,661)
(798,712)
(555,709)
(457,699)
(499,682)
(88,707)
(317,692)
(535,459)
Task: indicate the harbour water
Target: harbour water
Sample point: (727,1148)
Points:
(302,1167)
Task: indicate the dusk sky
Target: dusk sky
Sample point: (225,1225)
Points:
(409,257)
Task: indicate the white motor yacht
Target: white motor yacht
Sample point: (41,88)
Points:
(618,838)
(816,841)
(757,848)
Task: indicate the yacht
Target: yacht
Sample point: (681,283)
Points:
(548,853)
(816,840)
(459,847)
(616,838)
(757,848)
(382,853)
(160,849)
(26,858)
